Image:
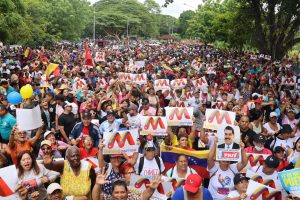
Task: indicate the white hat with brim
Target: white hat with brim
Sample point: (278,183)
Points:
(52,187)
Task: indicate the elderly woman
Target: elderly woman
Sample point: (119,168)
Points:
(18,142)
(77,176)
(88,150)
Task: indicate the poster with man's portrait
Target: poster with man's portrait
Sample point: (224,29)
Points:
(228,148)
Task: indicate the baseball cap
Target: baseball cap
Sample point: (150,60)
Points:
(111,112)
(192,183)
(86,115)
(52,187)
(259,138)
(278,149)
(238,178)
(272,162)
(132,106)
(145,101)
(273,114)
(286,128)
(66,104)
(47,133)
(47,142)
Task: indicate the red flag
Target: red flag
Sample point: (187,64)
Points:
(88,57)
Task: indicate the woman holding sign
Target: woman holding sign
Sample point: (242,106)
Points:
(222,173)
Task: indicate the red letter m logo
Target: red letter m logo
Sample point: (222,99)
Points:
(179,113)
(120,139)
(178,82)
(200,82)
(162,82)
(139,77)
(154,123)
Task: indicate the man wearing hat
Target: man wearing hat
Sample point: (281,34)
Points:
(134,118)
(192,189)
(112,124)
(283,138)
(241,184)
(268,170)
(290,119)
(66,121)
(147,110)
(84,128)
(258,141)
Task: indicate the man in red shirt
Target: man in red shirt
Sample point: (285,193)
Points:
(259,142)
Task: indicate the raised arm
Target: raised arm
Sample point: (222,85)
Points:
(211,155)
(100,180)
(50,164)
(147,194)
(100,155)
(37,136)
(11,142)
(241,165)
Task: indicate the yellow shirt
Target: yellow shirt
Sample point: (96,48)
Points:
(73,185)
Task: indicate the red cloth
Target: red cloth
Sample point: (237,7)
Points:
(85,154)
(88,57)
(85,131)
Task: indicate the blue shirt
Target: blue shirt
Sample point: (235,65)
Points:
(178,195)
(6,125)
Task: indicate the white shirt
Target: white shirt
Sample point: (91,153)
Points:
(274,176)
(175,174)
(221,182)
(134,121)
(235,193)
(150,167)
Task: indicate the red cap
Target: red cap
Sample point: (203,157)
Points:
(192,183)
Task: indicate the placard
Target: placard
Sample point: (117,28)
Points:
(125,77)
(259,191)
(154,125)
(120,142)
(255,159)
(290,181)
(139,78)
(181,104)
(199,83)
(101,83)
(8,183)
(178,116)
(178,83)
(29,119)
(215,118)
(162,84)
(228,148)
(100,57)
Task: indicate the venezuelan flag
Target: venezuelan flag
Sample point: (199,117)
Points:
(197,159)
(51,68)
(168,70)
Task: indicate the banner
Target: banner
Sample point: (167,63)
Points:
(178,116)
(139,63)
(154,125)
(8,183)
(120,142)
(79,84)
(139,78)
(101,83)
(289,81)
(138,184)
(215,118)
(262,192)
(178,83)
(290,181)
(176,183)
(196,159)
(255,159)
(125,77)
(258,178)
(228,148)
(218,105)
(94,162)
(29,119)
(100,56)
(162,84)
(199,83)
(181,104)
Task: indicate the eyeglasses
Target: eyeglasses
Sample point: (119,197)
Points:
(129,173)
(43,149)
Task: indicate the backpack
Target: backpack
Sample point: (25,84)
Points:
(141,164)
(172,170)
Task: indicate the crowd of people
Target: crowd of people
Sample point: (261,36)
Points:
(86,99)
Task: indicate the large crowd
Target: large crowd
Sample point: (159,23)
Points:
(84,97)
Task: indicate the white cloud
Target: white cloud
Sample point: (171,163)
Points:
(176,8)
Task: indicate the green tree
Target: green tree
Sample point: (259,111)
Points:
(183,21)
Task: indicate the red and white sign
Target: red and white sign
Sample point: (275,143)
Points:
(100,56)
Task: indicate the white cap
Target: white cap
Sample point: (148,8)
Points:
(273,114)
(52,187)
(47,133)
(26,67)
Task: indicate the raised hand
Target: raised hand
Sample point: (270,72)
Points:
(101,177)
(154,183)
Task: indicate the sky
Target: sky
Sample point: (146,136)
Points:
(176,8)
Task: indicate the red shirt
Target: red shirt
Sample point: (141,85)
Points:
(85,154)
(251,150)
(85,131)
